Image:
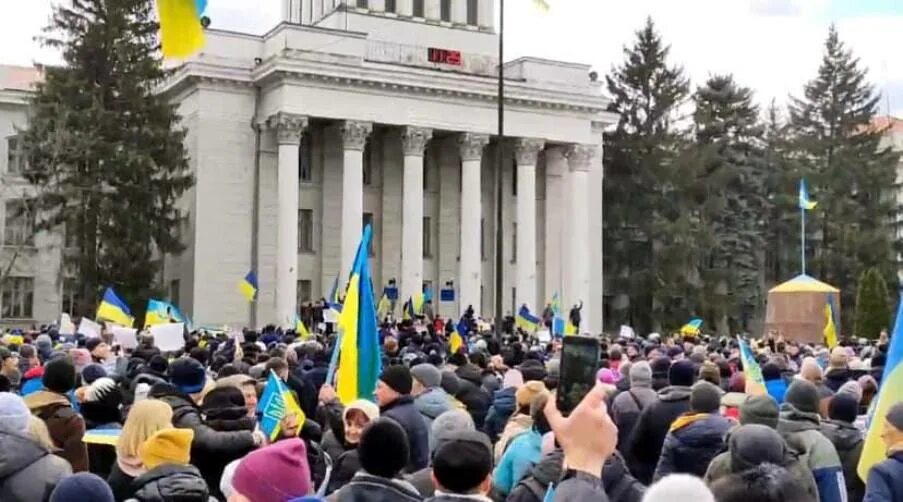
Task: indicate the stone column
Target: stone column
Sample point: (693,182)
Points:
(288,129)
(578,264)
(471,265)
(486,14)
(413,143)
(405,7)
(377,5)
(459,11)
(525,152)
(556,208)
(354,137)
(432,9)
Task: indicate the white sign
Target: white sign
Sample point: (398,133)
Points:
(67,327)
(89,328)
(127,338)
(168,337)
(626,332)
(330,315)
(238,336)
(544,336)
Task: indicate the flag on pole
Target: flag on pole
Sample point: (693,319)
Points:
(113,309)
(301,329)
(358,365)
(804,202)
(692,327)
(385,305)
(755,382)
(457,338)
(157,313)
(569,328)
(248,286)
(830,331)
(890,393)
(555,304)
(181,33)
(275,403)
(526,320)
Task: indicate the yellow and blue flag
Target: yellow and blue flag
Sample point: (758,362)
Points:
(458,337)
(526,320)
(335,301)
(102,436)
(805,203)
(555,304)
(752,372)
(385,305)
(413,307)
(181,33)
(301,329)
(158,312)
(692,327)
(248,286)
(275,403)
(359,364)
(890,393)
(830,331)
(569,328)
(113,309)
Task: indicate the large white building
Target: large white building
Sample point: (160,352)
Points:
(382,112)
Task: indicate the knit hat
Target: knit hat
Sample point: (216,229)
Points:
(802,395)
(370,410)
(449,424)
(753,444)
(224,403)
(640,374)
(187,375)
(681,373)
(512,378)
(158,363)
(679,487)
(428,375)
(5,354)
(461,463)
(103,389)
(166,446)
(895,416)
(851,388)
(450,382)
(605,375)
(13,413)
(771,371)
(59,375)
(92,372)
(660,366)
(383,450)
(276,473)
(710,373)
(43,340)
(705,397)
(762,410)
(843,407)
(398,378)
(82,486)
(531,369)
(528,392)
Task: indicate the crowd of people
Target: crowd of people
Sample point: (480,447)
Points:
(669,420)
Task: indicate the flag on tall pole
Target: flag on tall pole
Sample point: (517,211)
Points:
(248,286)
(830,330)
(752,372)
(805,204)
(113,309)
(181,33)
(527,320)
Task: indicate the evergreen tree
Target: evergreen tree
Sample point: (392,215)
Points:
(648,228)
(106,148)
(872,312)
(838,151)
(782,225)
(730,195)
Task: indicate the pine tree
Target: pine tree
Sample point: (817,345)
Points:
(838,151)
(782,226)
(107,149)
(872,312)
(647,227)
(729,192)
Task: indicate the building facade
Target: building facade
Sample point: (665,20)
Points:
(380,112)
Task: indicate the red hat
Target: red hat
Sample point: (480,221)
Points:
(276,473)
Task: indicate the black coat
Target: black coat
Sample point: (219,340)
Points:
(403,411)
(120,483)
(691,445)
(645,445)
(848,441)
(619,485)
(472,395)
(170,483)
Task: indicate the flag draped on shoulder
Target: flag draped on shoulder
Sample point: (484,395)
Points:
(358,365)
(752,372)
(248,286)
(830,331)
(526,320)
(890,393)
(181,33)
(113,309)
(275,403)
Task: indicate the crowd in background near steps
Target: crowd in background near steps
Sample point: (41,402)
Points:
(669,420)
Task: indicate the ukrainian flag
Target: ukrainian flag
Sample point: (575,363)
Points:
(830,331)
(359,362)
(276,402)
(755,382)
(692,327)
(569,328)
(526,320)
(457,338)
(385,305)
(113,309)
(413,307)
(158,312)
(301,329)
(334,301)
(181,33)
(804,202)
(248,286)
(890,393)
(556,304)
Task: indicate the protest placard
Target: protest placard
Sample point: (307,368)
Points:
(168,337)
(67,327)
(89,328)
(626,332)
(127,338)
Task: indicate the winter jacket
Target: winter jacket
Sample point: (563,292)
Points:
(523,453)
(836,377)
(101,457)
(619,485)
(503,405)
(579,488)
(801,431)
(171,483)
(344,467)
(210,448)
(332,445)
(645,444)
(120,481)
(366,488)
(848,441)
(28,472)
(626,409)
(517,425)
(145,352)
(472,394)
(66,426)
(885,480)
(693,441)
(776,389)
(222,419)
(432,403)
(403,411)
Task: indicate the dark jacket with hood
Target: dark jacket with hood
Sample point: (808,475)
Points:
(692,442)
(403,411)
(472,394)
(885,480)
(222,418)
(836,377)
(503,405)
(801,431)
(171,483)
(66,426)
(848,441)
(28,472)
(645,445)
(617,482)
(366,488)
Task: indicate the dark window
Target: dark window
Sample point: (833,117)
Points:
(418,8)
(14,162)
(367,166)
(69,296)
(427,237)
(18,229)
(304,292)
(363,4)
(514,178)
(472,13)
(175,292)
(514,243)
(368,220)
(306,230)
(305,158)
(70,235)
(483,239)
(390,6)
(513,301)
(445,10)
(16,298)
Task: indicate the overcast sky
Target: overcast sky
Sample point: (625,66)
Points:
(773,46)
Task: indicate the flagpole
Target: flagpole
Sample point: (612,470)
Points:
(500,156)
(803,239)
